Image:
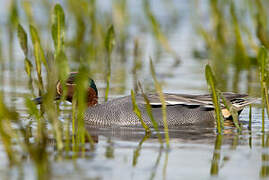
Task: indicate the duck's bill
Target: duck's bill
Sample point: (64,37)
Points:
(40,100)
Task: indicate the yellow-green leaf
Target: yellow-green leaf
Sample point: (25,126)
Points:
(110,39)
(58,26)
(22,39)
(215,97)
(28,66)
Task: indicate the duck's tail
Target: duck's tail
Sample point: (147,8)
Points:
(240,103)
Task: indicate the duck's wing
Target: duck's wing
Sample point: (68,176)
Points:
(238,100)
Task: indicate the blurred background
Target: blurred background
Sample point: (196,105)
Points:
(114,40)
(180,37)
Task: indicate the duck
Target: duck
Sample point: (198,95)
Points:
(181,109)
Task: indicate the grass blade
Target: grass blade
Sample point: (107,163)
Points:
(39,56)
(138,112)
(22,36)
(109,44)
(149,111)
(263,60)
(110,39)
(38,50)
(158,88)
(215,97)
(232,110)
(58,27)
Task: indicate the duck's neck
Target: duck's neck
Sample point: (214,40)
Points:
(92,97)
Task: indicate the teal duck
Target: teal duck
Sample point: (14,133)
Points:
(182,109)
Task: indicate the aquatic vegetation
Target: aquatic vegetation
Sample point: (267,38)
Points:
(158,88)
(215,97)
(263,63)
(111,43)
(138,113)
(149,111)
(232,110)
(230,37)
(158,34)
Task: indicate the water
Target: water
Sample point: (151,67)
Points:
(195,153)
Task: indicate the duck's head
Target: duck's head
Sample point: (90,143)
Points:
(70,85)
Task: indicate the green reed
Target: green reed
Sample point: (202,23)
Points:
(58,36)
(62,68)
(37,150)
(91,42)
(137,86)
(6,130)
(138,112)
(262,22)
(2,62)
(157,32)
(121,22)
(211,81)
(13,18)
(230,40)
(137,64)
(58,28)
(39,54)
(81,86)
(57,69)
(23,39)
(263,62)
(109,44)
(86,48)
(150,114)
(158,88)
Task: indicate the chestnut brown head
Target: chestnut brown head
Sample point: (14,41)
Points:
(70,84)
(92,92)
